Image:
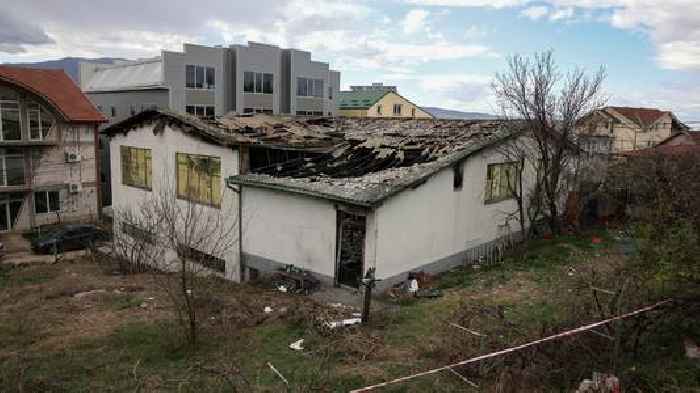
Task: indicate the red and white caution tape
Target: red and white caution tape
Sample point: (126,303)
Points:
(514,349)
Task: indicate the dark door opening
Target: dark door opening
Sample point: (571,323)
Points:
(351,248)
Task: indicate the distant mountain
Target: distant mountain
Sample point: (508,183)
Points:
(441,113)
(693,124)
(68,64)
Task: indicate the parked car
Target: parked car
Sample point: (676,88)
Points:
(69,237)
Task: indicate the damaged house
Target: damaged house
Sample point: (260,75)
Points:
(337,197)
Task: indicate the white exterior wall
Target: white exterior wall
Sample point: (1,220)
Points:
(289,229)
(435,221)
(163,148)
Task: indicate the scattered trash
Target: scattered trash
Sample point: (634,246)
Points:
(429,293)
(282,288)
(143,305)
(343,323)
(571,271)
(188,291)
(413,286)
(335,305)
(596,240)
(297,345)
(295,280)
(278,373)
(81,295)
(601,383)
(692,351)
(267,309)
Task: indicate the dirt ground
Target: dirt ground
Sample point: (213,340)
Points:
(77,326)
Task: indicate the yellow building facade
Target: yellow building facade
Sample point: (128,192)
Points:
(378,104)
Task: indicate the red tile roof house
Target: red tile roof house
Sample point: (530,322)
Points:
(616,129)
(48,146)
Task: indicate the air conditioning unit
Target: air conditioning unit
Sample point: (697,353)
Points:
(72,157)
(74,188)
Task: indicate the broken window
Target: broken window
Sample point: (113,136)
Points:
(500,181)
(199,178)
(136,167)
(458,179)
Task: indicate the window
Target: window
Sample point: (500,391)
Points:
(10,125)
(258,82)
(397,109)
(318,88)
(257,110)
(47,202)
(136,167)
(199,178)
(249,82)
(137,233)
(413,112)
(379,109)
(309,87)
(267,83)
(202,258)
(458,179)
(500,181)
(199,77)
(12,167)
(113,111)
(201,111)
(39,120)
(330,92)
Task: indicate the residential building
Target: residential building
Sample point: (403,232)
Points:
(379,103)
(48,150)
(328,199)
(619,129)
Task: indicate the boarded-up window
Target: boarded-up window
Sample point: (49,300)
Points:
(199,178)
(136,167)
(500,181)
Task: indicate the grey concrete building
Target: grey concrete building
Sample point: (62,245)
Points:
(212,81)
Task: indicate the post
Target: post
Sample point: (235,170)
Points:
(368,282)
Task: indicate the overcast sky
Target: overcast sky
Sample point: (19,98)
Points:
(439,52)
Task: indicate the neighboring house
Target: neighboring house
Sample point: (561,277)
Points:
(375,86)
(48,150)
(378,103)
(392,194)
(212,81)
(619,129)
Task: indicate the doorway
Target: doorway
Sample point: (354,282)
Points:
(10,206)
(350,254)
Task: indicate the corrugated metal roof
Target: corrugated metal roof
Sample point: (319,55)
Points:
(360,99)
(139,75)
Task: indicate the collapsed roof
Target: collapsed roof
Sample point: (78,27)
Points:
(381,157)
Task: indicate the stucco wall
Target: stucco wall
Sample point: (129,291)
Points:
(387,103)
(163,148)
(289,229)
(435,221)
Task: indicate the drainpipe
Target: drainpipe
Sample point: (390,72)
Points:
(238,189)
(98,177)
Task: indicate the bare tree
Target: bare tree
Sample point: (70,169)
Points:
(185,243)
(550,104)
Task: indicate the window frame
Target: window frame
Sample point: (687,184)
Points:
(47,197)
(147,183)
(204,109)
(40,111)
(212,201)
(3,108)
(489,198)
(259,82)
(400,106)
(309,87)
(200,77)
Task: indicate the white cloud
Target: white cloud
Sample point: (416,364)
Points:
(469,3)
(415,21)
(562,13)
(535,12)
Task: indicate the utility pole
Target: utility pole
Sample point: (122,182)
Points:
(368,282)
